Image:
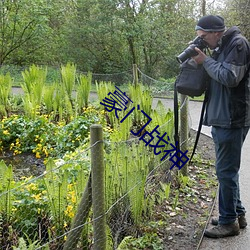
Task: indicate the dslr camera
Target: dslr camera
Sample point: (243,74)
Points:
(190,51)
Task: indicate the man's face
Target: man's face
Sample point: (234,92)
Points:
(211,38)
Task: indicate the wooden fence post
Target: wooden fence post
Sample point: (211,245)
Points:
(98,195)
(80,218)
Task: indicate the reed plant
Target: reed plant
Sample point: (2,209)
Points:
(141,96)
(103,89)
(126,172)
(62,106)
(6,196)
(34,80)
(68,75)
(165,119)
(5,90)
(83,91)
(56,184)
(48,97)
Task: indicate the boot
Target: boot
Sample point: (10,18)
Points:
(241,219)
(221,231)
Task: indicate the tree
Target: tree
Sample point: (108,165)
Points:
(237,13)
(21,21)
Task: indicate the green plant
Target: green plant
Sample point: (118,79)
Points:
(29,245)
(164,192)
(83,91)
(56,187)
(126,172)
(176,199)
(183,180)
(48,98)
(164,118)
(142,97)
(5,90)
(103,89)
(6,184)
(43,137)
(147,241)
(34,81)
(68,74)
(30,207)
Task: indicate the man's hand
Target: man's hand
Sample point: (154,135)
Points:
(200,58)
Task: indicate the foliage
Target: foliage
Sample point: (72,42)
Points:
(83,91)
(43,206)
(22,245)
(68,73)
(51,200)
(34,81)
(140,96)
(106,36)
(6,184)
(147,241)
(5,89)
(43,137)
(103,89)
(55,99)
(22,23)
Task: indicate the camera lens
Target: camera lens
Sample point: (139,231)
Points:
(187,53)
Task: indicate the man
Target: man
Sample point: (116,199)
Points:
(228,112)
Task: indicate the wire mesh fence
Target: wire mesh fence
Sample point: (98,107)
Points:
(56,209)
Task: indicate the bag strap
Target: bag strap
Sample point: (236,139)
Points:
(199,127)
(176,121)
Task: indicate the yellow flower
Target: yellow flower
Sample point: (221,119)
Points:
(6,132)
(69,211)
(37,196)
(31,186)
(38,155)
(73,199)
(14,209)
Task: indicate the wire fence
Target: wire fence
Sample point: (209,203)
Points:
(54,210)
(32,205)
(161,87)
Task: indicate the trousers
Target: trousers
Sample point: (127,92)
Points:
(228,146)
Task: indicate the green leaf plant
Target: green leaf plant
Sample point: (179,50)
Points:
(68,74)
(5,90)
(83,91)
(141,96)
(103,89)
(6,184)
(33,86)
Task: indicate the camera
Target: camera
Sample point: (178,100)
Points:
(190,51)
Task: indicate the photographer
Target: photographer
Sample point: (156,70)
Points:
(228,112)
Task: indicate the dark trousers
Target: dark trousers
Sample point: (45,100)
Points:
(228,145)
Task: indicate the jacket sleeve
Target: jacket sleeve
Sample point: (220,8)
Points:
(234,66)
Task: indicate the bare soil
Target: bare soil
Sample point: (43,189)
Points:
(187,223)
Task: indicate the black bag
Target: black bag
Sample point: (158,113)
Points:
(192,80)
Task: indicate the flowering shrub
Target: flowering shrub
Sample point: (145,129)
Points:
(43,137)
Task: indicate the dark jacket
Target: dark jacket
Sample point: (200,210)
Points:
(228,103)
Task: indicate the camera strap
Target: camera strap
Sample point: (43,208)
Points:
(176,124)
